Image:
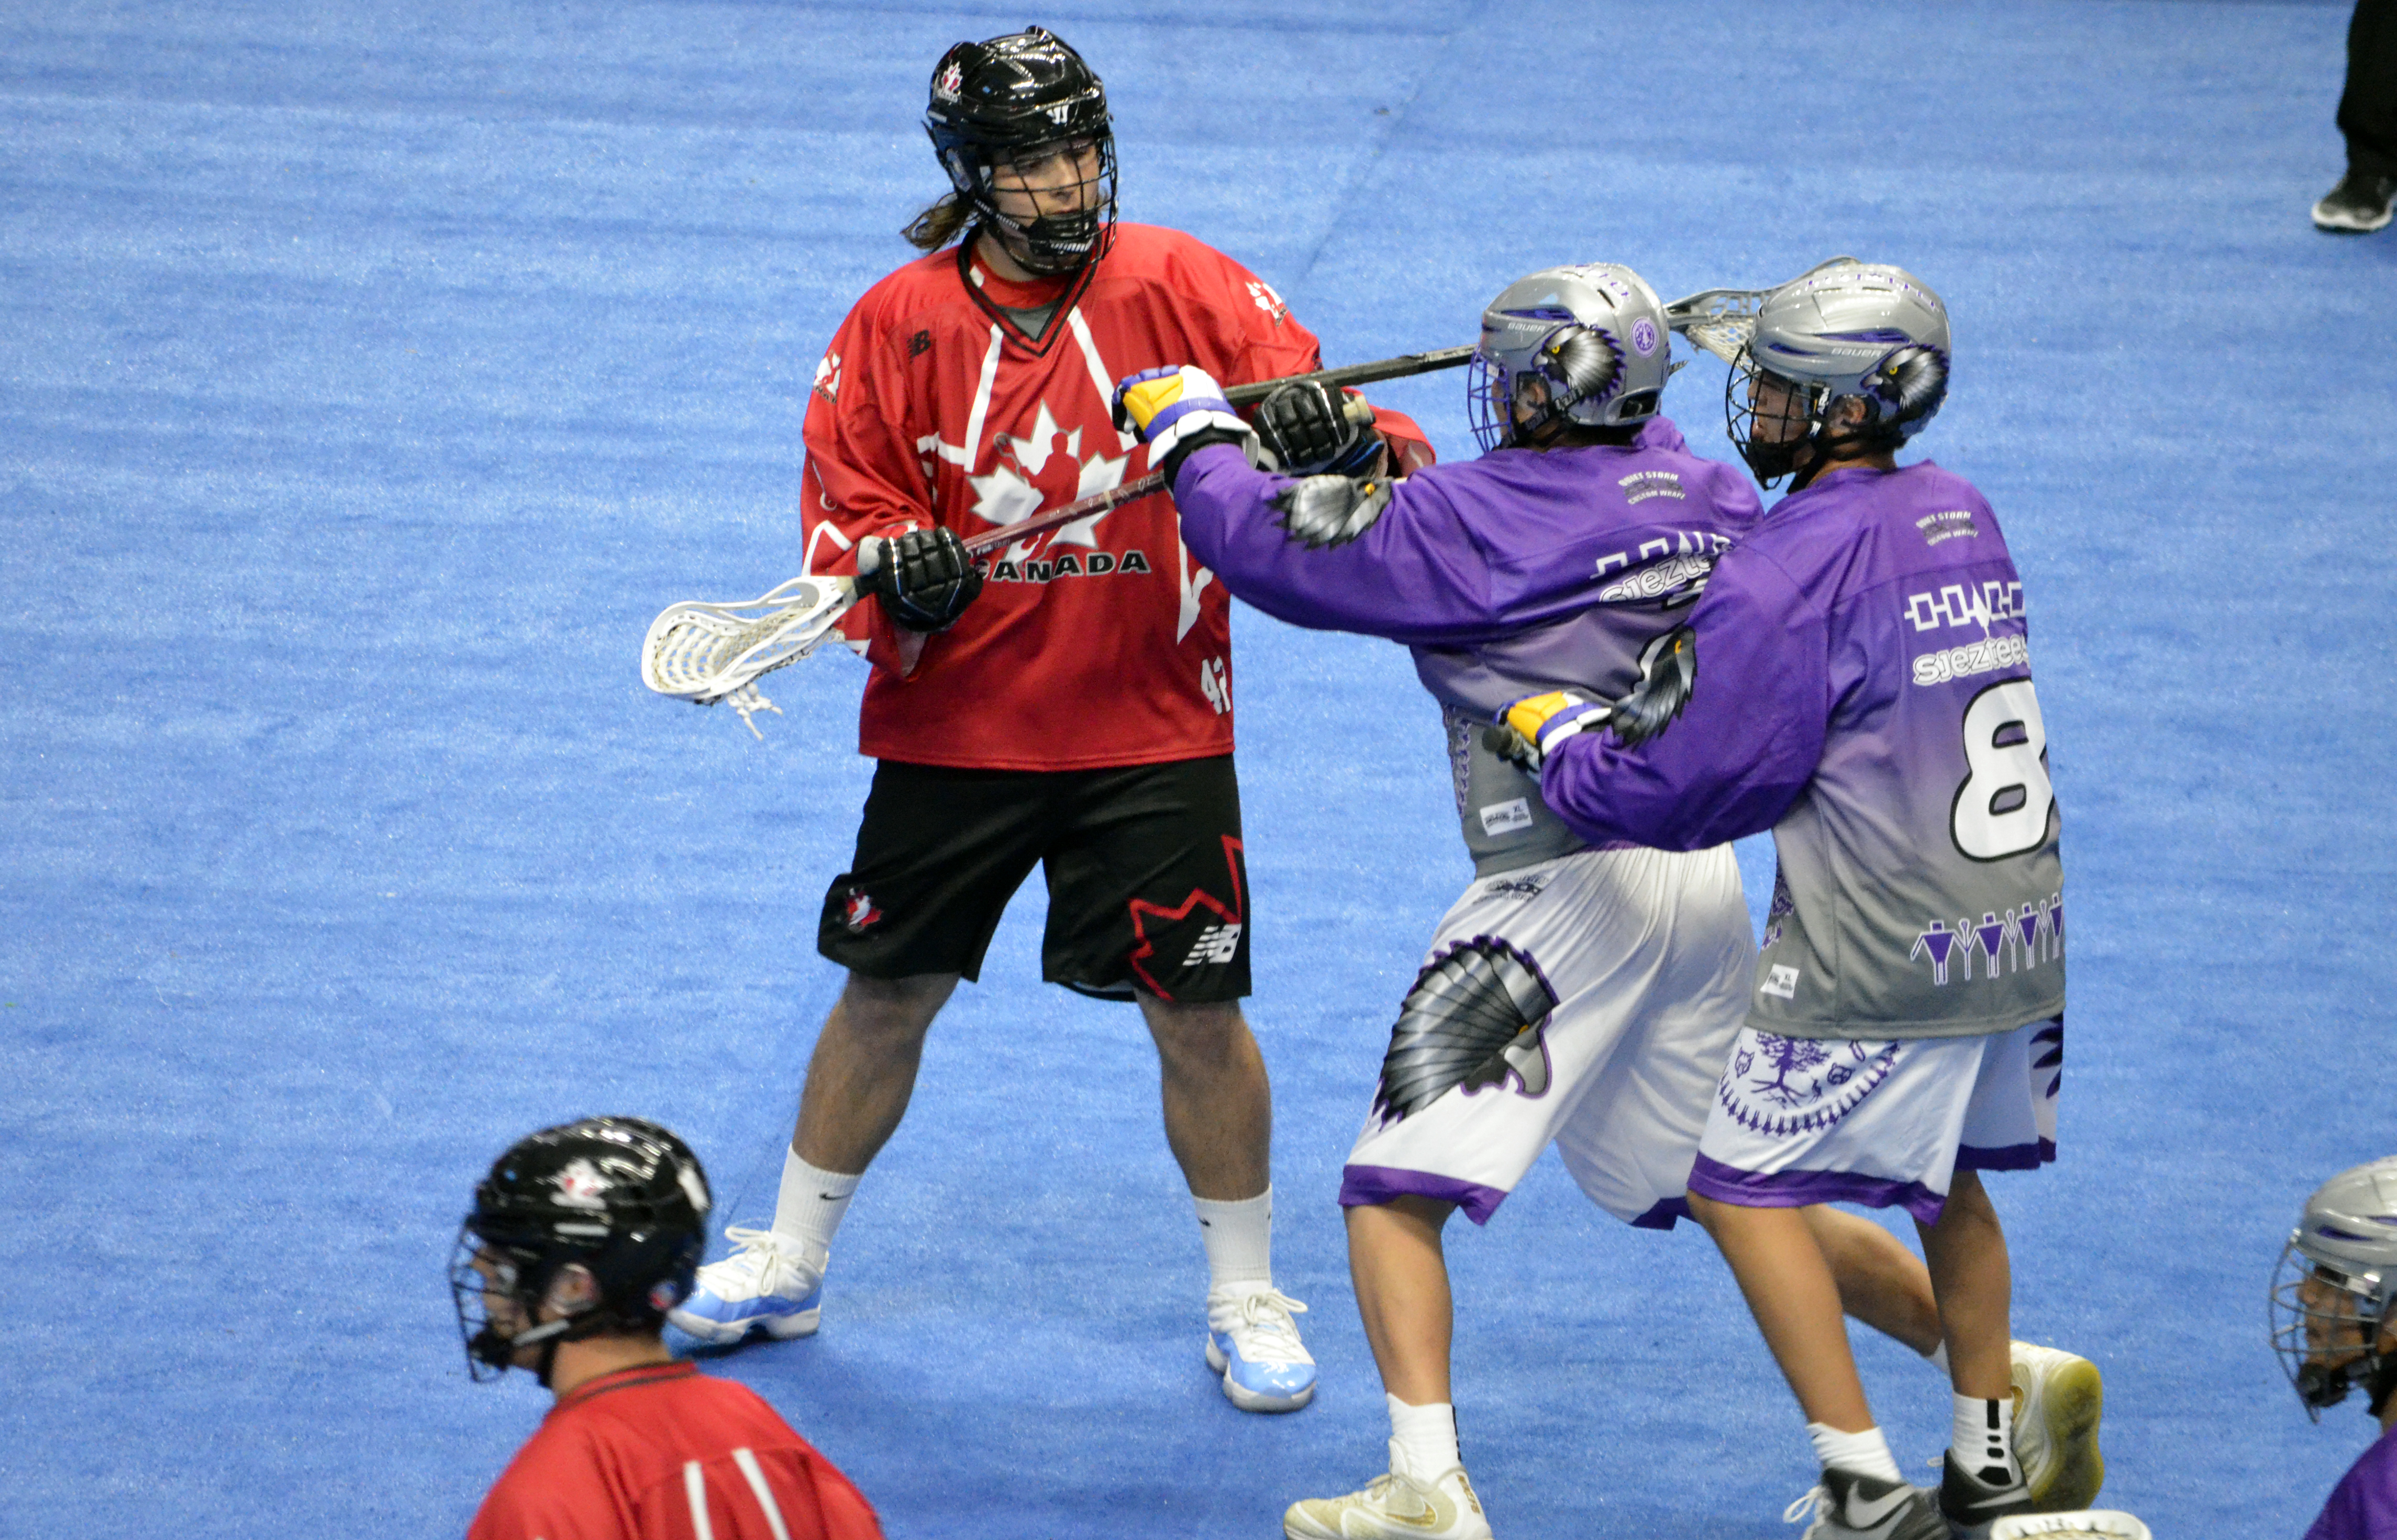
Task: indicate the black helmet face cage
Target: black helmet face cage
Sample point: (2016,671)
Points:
(1573,365)
(495,1291)
(1769,417)
(1062,193)
(2326,1329)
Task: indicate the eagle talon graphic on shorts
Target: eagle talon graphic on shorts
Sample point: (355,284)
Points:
(1474,1018)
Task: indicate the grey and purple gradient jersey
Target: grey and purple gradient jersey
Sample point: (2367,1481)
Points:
(1518,573)
(1863,690)
(2363,1505)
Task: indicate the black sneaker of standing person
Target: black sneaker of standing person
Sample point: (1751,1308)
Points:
(2358,205)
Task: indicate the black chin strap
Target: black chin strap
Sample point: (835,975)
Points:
(2383,1383)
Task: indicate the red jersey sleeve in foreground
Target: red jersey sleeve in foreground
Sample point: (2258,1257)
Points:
(667,1453)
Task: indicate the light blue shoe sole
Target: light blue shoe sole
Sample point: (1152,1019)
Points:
(1249,1400)
(783,1327)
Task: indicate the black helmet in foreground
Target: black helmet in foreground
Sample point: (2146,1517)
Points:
(599,1223)
(999,106)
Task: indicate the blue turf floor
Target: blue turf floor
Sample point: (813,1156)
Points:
(373,373)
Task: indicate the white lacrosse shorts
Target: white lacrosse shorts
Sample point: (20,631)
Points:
(1643,960)
(1800,1120)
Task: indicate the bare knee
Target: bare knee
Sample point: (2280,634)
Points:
(1208,1031)
(893,1011)
(1408,1214)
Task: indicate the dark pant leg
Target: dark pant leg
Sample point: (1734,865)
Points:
(2367,110)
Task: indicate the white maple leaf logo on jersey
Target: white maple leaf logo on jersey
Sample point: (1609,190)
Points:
(828,376)
(1008,495)
(1267,300)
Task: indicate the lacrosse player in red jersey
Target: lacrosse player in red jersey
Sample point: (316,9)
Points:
(579,1238)
(1069,707)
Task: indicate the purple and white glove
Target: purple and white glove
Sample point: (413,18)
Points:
(1529,730)
(1176,411)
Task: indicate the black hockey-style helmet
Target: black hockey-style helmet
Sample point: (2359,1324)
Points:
(620,1197)
(992,101)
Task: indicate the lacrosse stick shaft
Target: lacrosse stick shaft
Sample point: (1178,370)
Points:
(1399,367)
(1097,503)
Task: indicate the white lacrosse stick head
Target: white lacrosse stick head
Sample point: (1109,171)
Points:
(704,652)
(1722,321)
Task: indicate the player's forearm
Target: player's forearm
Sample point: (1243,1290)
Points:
(1727,762)
(1606,793)
(1387,580)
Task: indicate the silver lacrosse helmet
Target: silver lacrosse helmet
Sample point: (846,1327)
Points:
(1846,330)
(2332,1324)
(1585,344)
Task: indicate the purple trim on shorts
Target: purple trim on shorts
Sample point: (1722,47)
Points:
(2011,1158)
(1795,1189)
(1365,1187)
(1660,1217)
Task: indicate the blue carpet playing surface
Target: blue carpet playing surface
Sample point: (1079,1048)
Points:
(374,372)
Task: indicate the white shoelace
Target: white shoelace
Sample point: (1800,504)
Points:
(772,1262)
(1265,1326)
(1807,1507)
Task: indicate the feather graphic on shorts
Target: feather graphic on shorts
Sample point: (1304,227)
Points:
(1472,1019)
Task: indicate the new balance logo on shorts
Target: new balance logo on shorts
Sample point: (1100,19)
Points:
(1216,944)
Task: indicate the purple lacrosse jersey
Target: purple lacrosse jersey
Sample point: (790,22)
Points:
(2363,1505)
(1518,573)
(1863,689)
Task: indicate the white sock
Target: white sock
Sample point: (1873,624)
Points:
(1938,1356)
(1239,1238)
(1983,1441)
(1425,1436)
(811,1205)
(1865,1454)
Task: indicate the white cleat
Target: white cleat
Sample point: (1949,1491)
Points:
(2058,1399)
(1252,1342)
(770,1284)
(1401,1504)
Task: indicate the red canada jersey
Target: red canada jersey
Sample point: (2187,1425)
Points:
(1106,643)
(665,1453)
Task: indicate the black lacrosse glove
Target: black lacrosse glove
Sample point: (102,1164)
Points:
(924,578)
(1308,429)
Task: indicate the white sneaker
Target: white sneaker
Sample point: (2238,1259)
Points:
(1440,1508)
(770,1282)
(1252,1342)
(2057,1400)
